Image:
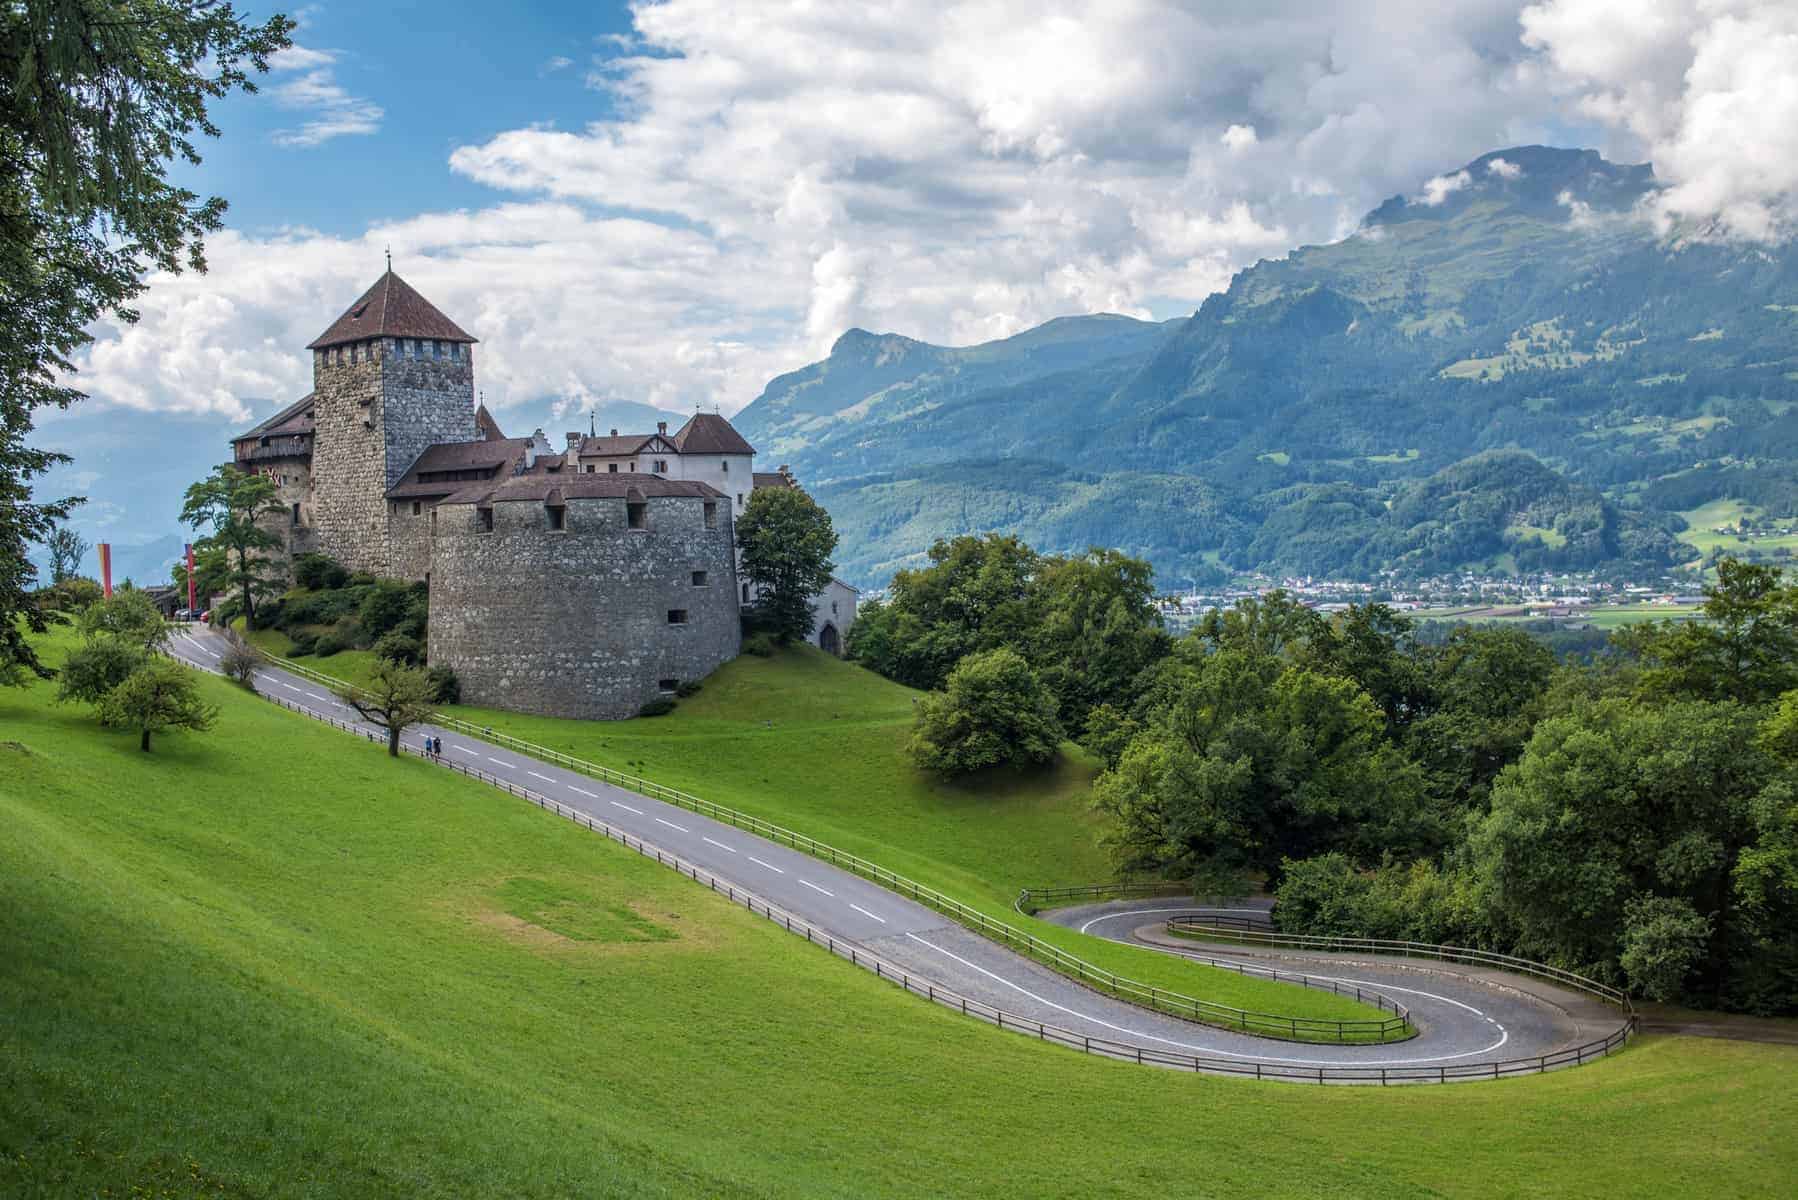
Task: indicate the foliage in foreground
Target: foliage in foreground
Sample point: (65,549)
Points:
(786,541)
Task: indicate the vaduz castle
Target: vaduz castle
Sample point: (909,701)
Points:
(578,581)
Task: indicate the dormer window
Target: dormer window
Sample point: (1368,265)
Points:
(661,466)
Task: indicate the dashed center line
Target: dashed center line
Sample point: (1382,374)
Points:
(544,778)
(672,825)
(808,883)
(501,762)
(864,912)
(758,862)
(464,749)
(292,688)
(627,808)
(319,698)
(582,791)
(719,844)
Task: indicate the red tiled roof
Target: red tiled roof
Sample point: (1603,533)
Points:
(614,446)
(486,426)
(391,308)
(500,456)
(541,488)
(709,433)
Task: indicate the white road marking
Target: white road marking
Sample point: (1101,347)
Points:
(758,862)
(582,791)
(319,698)
(1133,912)
(864,912)
(502,762)
(464,749)
(808,883)
(544,778)
(627,808)
(1304,1062)
(292,688)
(672,825)
(718,844)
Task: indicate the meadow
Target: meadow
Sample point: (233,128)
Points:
(268,960)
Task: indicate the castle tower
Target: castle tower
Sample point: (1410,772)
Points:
(390,377)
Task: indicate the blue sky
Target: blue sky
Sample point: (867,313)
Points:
(669,204)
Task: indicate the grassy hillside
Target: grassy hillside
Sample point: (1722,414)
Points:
(815,744)
(270,961)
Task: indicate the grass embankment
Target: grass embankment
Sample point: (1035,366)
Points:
(816,745)
(269,960)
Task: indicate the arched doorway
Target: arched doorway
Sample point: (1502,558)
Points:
(828,641)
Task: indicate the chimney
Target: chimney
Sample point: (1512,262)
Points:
(662,428)
(614,433)
(574,441)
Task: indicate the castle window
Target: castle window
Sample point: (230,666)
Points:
(711,514)
(557,515)
(661,467)
(746,593)
(417,507)
(667,685)
(484,519)
(633,468)
(636,514)
(296,516)
(677,616)
(725,463)
(611,468)
(588,468)
(699,579)
(739,499)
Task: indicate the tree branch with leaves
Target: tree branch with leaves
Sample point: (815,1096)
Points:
(396,699)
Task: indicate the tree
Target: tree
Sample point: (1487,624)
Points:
(396,699)
(241,660)
(786,540)
(975,595)
(97,98)
(1096,629)
(232,502)
(67,549)
(1241,763)
(129,617)
(96,668)
(1745,649)
(161,694)
(994,711)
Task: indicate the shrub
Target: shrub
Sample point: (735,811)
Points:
(759,644)
(994,711)
(688,687)
(396,647)
(384,607)
(661,706)
(349,632)
(329,644)
(303,641)
(447,689)
(317,572)
(240,661)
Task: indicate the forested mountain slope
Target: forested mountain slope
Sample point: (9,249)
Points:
(1375,403)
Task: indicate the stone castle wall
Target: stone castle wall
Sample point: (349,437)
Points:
(375,410)
(575,623)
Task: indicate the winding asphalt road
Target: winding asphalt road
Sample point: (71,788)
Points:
(1464,1016)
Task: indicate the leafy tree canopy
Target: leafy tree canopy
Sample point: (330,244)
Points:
(234,504)
(160,694)
(787,541)
(993,712)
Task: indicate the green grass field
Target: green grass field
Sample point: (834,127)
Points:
(270,961)
(816,745)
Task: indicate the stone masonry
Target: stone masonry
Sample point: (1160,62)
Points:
(377,405)
(581,621)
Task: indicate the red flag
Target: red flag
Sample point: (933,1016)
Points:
(106,569)
(190,577)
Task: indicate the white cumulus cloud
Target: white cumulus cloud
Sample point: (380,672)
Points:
(331,111)
(1504,169)
(1439,189)
(1707,90)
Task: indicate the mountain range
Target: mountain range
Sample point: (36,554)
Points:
(1511,371)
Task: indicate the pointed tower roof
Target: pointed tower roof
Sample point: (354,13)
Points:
(709,433)
(391,308)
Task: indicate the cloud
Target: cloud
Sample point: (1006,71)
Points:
(1504,169)
(756,178)
(1439,189)
(334,111)
(555,63)
(1706,90)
